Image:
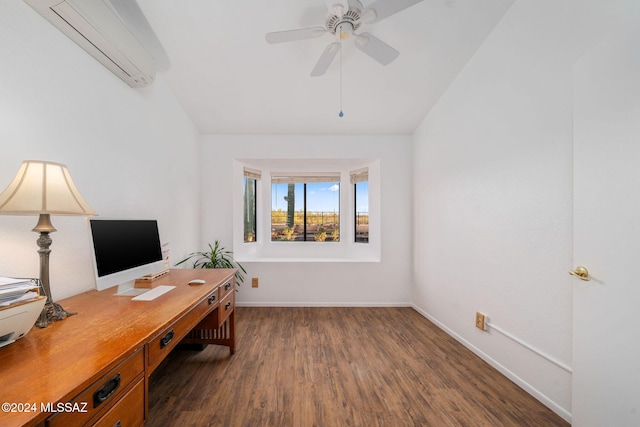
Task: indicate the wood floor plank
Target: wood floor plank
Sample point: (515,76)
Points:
(337,367)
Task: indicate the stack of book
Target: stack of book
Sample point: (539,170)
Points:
(20,305)
(14,291)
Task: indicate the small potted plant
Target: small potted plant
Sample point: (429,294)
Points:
(216,257)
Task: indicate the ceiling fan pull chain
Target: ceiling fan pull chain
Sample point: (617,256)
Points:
(340,114)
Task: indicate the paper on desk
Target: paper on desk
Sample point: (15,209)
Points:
(11,289)
(11,280)
(22,287)
(25,297)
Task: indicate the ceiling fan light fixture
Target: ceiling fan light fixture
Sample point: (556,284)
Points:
(344,30)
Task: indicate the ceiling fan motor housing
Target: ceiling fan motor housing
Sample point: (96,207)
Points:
(351,17)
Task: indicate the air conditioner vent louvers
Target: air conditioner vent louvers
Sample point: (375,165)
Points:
(106,57)
(95,27)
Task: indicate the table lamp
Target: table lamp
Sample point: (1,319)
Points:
(44,189)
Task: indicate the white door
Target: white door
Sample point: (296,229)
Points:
(606,348)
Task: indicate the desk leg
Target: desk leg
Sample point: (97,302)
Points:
(232,332)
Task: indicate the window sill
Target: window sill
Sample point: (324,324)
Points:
(306,259)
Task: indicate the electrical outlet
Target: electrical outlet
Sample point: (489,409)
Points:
(480,321)
(254,282)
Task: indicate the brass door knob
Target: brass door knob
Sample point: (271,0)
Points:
(581,273)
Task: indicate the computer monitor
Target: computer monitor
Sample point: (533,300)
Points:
(124,250)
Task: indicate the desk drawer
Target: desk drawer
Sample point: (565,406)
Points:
(128,411)
(227,305)
(102,393)
(165,341)
(226,288)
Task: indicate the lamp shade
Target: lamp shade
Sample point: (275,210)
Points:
(42,187)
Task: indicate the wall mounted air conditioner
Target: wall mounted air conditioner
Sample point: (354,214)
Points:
(96,27)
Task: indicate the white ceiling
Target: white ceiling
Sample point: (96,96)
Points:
(231,81)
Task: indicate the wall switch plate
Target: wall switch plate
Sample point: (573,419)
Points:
(254,282)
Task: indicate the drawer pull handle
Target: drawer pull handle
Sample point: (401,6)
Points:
(106,390)
(227,286)
(166,339)
(212,299)
(227,305)
(117,424)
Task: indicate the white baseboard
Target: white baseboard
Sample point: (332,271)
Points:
(322,304)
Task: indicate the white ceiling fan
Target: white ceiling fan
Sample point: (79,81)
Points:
(343,19)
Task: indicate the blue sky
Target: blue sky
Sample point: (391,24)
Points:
(321,197)
(362,197)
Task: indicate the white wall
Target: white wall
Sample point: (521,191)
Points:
(493,193)
(325,283)
(131,152)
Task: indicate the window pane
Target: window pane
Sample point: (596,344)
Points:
(323,211)
(317,202)
(286,210)
(361,190)
(249,209)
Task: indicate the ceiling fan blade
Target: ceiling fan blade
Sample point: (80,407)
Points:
(376,48)
(295,35)
(339,7)
(381,9)
(326,59)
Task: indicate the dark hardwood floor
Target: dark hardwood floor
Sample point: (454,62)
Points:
(338,367)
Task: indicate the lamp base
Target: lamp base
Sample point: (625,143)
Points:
(51,312)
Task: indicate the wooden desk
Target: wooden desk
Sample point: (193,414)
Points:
(64,374)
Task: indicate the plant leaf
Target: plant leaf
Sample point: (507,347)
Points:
(216,257)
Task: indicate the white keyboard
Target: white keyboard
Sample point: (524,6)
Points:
(153,293)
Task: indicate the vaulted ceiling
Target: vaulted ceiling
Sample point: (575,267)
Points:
(231,81)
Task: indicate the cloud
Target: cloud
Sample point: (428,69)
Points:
(334,187)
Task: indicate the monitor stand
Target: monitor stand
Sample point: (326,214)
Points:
(129,290)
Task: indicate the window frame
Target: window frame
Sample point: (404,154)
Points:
(304,179)
(255,176)
(356,177)
(345,250)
